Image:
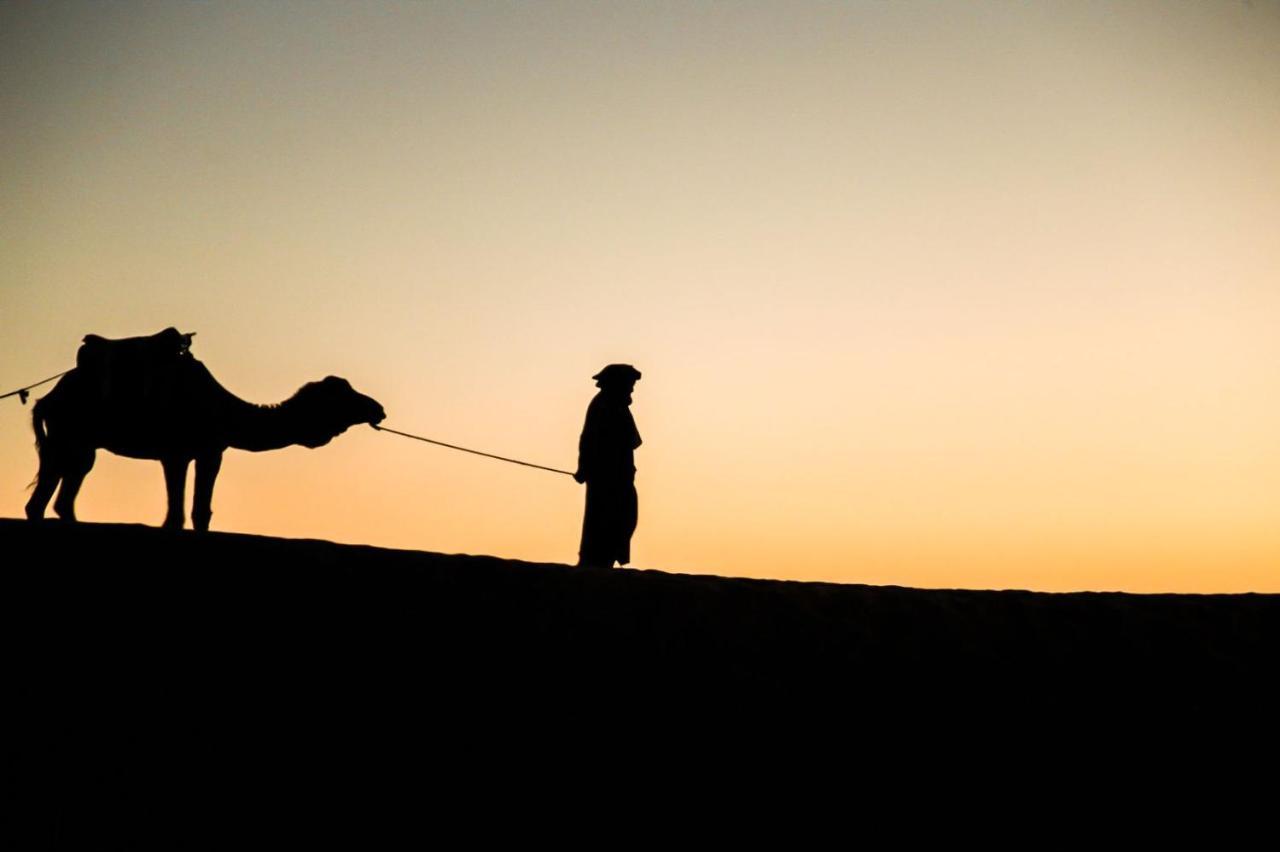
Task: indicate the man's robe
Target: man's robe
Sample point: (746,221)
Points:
(606,461)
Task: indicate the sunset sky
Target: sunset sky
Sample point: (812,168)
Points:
(974,294)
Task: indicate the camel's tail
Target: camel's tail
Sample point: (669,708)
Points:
(38,423)
(38,426)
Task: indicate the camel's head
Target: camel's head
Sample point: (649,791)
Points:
(332,406)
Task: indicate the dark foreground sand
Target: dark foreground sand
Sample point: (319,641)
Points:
(141,659)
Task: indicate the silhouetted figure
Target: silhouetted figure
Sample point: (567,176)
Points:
(606,463)
(148,398)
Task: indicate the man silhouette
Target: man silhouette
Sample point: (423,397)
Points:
(606,463)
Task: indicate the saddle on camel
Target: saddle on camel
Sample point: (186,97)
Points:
(131,369)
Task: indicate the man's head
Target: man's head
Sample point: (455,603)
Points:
(621,377)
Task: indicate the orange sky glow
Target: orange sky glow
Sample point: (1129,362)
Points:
(933,294)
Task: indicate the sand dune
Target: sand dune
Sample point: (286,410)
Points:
(142,654)
(181,602)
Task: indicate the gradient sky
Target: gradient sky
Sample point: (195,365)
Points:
(926,293)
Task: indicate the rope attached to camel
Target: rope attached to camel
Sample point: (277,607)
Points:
(473,452)
(23,394)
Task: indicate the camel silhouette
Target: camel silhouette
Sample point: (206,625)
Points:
(149,398)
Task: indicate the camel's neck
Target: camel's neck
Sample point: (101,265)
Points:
(233,422)
(258,428)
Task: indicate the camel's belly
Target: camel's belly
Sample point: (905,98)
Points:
(159,450)
(156,445)
(138,452)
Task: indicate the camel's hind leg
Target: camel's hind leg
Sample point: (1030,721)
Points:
(77,464)
(47,480)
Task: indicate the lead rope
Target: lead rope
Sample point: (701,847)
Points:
(473,452)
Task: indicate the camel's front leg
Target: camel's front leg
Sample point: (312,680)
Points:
(207,467)
(175,481)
